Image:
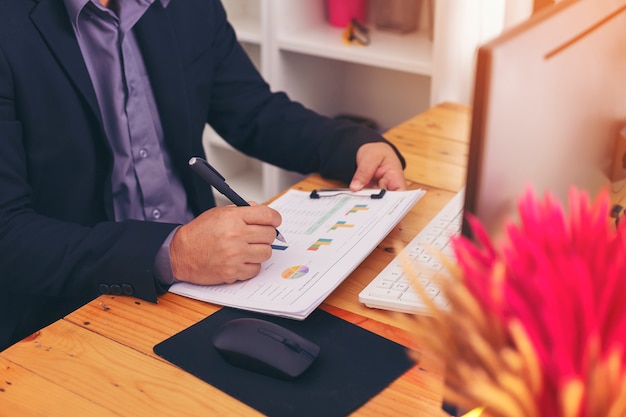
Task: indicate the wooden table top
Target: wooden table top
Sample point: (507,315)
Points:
(98,361)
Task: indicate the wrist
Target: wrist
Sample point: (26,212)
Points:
(162,263)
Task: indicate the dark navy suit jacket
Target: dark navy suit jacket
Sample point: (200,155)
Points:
(59,244)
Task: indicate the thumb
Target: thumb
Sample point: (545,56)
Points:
(362,176)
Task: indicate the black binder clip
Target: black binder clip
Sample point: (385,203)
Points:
(331,192)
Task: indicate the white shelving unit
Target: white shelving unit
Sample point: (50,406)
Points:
(243,174)
(393,78)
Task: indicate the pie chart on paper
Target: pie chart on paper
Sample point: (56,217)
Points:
(295,272)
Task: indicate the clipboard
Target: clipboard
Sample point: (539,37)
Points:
(328,238)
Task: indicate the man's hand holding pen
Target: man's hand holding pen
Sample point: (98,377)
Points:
(216,180)
(224,244)
(228,244)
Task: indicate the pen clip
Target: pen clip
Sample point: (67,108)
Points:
(196,160)
(331,192)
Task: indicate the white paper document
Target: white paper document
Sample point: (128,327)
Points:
(327,239)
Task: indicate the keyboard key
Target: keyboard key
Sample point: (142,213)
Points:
(400,286)
(388,294)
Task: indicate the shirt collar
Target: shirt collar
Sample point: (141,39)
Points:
(74,7)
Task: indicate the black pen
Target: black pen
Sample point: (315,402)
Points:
(210,175)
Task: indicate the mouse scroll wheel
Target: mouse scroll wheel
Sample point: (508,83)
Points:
(289,343)
(293,345)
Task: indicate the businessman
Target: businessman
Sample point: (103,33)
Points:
(101,106)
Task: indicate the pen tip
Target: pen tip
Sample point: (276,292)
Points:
(280,237)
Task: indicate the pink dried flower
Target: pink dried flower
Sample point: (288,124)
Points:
(556,280)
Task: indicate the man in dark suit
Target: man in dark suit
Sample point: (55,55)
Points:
(101,107)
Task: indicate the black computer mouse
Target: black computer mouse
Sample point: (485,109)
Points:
(264,347)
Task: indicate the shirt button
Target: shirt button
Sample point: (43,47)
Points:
(143,153)
(156,213)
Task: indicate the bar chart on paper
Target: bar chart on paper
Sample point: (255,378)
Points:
(327,239)
(357,207)
(319,243)
(341,224)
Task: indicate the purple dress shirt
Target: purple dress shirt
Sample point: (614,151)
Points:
(144,186)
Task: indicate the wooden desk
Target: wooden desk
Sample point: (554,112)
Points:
(98,361)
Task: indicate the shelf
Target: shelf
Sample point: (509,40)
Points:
(244,15)
(212,139)
(410,52)
(248,28)
(249,184)
(396,76)
(242,174)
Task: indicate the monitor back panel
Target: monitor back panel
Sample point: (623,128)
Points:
(549,101)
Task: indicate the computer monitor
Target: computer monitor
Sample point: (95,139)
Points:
(549,102)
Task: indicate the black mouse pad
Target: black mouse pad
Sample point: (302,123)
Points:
(353,365)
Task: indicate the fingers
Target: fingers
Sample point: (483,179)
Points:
(224,244)
(362,176)
(260,215)
(393,181)
(378,166)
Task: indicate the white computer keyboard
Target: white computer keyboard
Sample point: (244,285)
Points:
(392,290)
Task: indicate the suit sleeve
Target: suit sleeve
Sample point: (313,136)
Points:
(41,256)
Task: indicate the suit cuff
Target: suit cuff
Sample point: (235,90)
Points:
(164,275)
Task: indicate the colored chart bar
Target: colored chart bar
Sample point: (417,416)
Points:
(341,224)
(319,243)
(357,208)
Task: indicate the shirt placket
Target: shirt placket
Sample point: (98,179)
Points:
(145,149)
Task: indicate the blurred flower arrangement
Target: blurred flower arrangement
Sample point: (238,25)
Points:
(536,324)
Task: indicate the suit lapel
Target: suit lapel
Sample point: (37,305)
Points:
(154,34)
(50,18)
(157,41)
